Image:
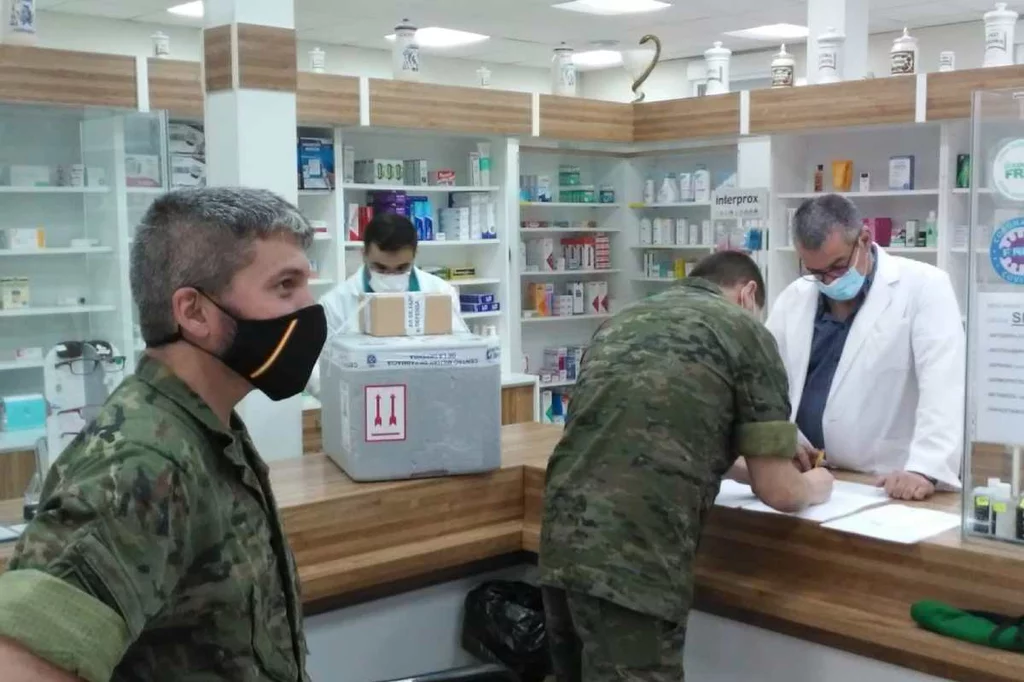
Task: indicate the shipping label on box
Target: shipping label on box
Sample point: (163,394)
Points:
(406,314)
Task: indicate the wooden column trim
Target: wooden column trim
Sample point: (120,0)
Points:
(267,58)
(217,59)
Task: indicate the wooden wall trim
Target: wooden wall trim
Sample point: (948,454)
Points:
(217,58)
(949,94)
(34,74)
(176,86)
(326,99)
(837,105)
(573,118)
(267,58)
(689,118)
(400,104)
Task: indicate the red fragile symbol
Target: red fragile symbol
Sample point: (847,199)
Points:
(392,420)
(377,421)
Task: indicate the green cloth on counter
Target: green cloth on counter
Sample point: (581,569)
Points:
(978,627)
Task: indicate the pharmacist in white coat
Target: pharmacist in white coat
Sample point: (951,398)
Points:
(875,352)
(389,249)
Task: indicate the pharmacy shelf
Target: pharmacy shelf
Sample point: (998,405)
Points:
(440,243)
(672,247)
(34,311)
(854,195)
(567,204)
(557,384)
(967,190)
(891,250)
(569,273)
(474,281)
(147,191)
(480,316)
(315,192)
(56,251)
(20,440)
(14,365)
(659,280)
(566,318)
(674,204)
(7,189)
(419,189)
(566,230)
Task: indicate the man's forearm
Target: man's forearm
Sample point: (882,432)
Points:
(20,665)
(738,472)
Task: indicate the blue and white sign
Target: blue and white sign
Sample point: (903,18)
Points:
(1007,251)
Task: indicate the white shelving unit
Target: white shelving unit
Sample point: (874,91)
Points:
(75,292)
(795,157)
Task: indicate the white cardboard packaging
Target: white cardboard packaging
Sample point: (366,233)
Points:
(397,408)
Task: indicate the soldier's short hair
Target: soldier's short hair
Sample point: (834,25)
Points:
(201,237)
(728,269)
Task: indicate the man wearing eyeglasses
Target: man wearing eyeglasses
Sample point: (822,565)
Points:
(874,349)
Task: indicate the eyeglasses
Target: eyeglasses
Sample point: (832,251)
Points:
(832,273)
(86,366)
(76,418)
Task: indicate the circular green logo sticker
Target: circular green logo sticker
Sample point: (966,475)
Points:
(1008,170)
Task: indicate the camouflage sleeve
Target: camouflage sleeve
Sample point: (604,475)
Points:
(762,426)
(112,538)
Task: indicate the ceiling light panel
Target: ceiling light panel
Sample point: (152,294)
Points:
(771,32)
(188,9)
(611,8)
(437,37)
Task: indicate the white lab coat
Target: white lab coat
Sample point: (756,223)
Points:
(897,398)
(341,305)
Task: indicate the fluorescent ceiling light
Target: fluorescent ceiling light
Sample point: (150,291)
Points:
(612,7)
(189,9)
(432,36)
(772,32)
(597,59)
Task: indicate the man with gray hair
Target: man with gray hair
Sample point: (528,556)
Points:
(874,349)
(158,551)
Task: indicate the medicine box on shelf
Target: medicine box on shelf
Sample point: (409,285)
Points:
(316,163)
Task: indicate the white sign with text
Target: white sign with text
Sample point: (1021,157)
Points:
(999,368)
(739,204)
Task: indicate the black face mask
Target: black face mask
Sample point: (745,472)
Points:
(276,356)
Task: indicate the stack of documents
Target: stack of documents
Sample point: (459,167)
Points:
(897,523)
(846,499)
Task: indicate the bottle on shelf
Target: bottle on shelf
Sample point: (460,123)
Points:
(702,184)
(819,178)
(931,231)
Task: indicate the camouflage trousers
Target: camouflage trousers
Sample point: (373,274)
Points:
(593,640)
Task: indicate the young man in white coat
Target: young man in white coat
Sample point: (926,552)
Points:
(874,348)
(389,249)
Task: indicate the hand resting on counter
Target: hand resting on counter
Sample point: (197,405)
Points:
(906,485)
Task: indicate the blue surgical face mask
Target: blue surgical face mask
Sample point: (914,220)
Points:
(844,288)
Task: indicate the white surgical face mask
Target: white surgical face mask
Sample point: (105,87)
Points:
(389,284)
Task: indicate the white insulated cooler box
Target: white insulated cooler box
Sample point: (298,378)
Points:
(411,407)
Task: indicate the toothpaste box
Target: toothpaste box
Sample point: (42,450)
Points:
(416,173)
(316,163)
(491,307)
(476,299)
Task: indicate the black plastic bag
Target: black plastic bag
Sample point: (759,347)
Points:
(504,623)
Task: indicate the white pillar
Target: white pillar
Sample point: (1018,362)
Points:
(251,129)
(849,17)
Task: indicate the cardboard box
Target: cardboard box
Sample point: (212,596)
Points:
(30,176)
(14,293)
(316,163)
(406,314)
(380,171)
(23,238)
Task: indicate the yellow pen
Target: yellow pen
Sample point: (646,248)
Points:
(820,459)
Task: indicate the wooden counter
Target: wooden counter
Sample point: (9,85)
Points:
(772,571)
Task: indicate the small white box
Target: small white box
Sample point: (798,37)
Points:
(142,170)
(474,169)
(380,171)
(578,298)
(541,253)
(23,238)
(592,297)
(96,176)
(416,173)
(348,162)
(602,290)
(187,171)
(682,233)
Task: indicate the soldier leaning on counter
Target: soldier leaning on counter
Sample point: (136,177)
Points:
(158,552)
(670,392)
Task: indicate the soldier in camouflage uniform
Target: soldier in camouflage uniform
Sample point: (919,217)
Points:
(158,551)
(670,392)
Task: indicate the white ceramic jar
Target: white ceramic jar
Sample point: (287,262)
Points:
(317,60)
(19,25)
(405,54)
(717,61)
(783,69)
(830,54)
(563,71)
(999,25)
(161,45)
(903,55)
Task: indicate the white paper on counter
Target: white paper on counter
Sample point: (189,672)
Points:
(897,523)
(841,503)
(19,529)
(7,535)
(735,495)
(860,489)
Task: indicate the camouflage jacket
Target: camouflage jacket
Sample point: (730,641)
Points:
(670,391)
(158,552)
